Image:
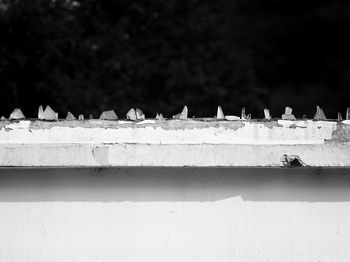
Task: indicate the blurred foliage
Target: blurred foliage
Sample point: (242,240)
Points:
(88,56)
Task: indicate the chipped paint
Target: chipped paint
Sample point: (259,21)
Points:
(173,143)
(170,132)
(341,134)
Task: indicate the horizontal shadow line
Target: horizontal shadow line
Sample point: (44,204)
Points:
(174,184)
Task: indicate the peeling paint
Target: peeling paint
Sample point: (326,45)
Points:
(173,143)
(341,134)
(169,132)
(170,124)
(295,126)
(271,124)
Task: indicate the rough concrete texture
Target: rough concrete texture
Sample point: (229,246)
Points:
(174,143)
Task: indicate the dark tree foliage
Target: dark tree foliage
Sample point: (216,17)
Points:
(88,56)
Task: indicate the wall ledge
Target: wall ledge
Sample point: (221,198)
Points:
(175,143)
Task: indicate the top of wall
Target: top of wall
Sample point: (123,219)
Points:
(192,142)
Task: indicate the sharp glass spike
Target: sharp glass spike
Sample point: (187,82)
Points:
(288,114)
(139,114)
(340,118)
(70,116)
(131,115)
(267,114)
(220,114)
(319,115)
(243,115)
(47,114)
(159,117)
(183,115)
(41,112)
(17,114)
(108,115)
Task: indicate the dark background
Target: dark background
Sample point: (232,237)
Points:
(88,56)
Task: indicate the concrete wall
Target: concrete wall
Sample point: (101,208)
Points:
(175,214)
(174,143)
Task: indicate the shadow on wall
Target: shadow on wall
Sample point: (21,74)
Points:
(174,184)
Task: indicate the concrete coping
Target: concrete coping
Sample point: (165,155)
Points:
(175,143)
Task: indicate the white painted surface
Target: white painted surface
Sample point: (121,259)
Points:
(204,155)
(175,214)
(97,143)
(176,132)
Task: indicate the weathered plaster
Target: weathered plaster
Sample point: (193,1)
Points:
(173,132)
(173,143)
(341,134)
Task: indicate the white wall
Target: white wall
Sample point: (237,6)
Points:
(174,214)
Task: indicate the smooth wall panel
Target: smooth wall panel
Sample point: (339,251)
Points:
(175,214)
